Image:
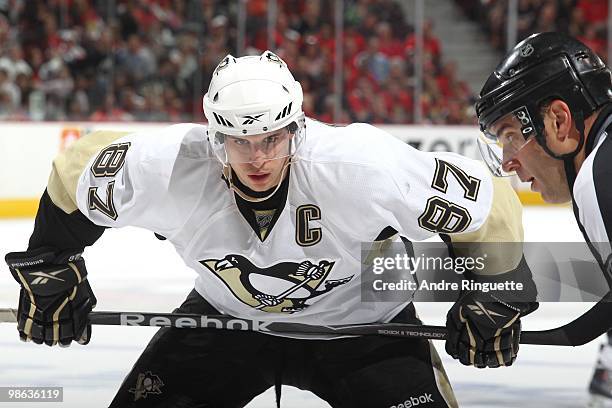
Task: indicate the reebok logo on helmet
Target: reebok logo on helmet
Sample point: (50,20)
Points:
(250,119)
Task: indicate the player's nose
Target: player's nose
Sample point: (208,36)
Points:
(257,152)
(258,156)
(511,165)
(509,161)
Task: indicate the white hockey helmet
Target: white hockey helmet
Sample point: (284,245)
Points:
(250,96)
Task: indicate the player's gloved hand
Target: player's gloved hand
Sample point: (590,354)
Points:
(484,331)
(55,296)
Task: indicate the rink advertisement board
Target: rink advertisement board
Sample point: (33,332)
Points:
(456,139)
(27,151)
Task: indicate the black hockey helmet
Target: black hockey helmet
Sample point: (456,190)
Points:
(543,67)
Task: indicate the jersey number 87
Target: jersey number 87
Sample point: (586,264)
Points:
(441,215)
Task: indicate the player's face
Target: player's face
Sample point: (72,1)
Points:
(530,162)
(259,160)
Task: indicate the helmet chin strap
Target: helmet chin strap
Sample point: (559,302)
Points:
(227,170)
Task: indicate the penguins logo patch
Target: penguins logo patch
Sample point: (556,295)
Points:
(146,383)
(282,288)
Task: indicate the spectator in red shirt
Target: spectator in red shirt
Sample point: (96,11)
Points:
(389,45)
(431,43)
(594,11)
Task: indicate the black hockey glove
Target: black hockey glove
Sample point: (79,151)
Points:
(55,296)
(484,328)
(484,331)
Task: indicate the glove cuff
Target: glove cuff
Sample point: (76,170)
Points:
(45,271)
(525,300)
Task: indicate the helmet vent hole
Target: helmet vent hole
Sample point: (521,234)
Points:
(285,89)
(216,97)
(581,55)
(221,120)
(286,111)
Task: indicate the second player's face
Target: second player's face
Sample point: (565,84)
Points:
(531,163)
(259,160)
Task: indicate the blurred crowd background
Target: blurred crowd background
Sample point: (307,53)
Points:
(146,60)
(583,19)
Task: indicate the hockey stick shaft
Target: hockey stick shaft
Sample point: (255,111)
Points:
(593,323)
(287,292)
(186,320)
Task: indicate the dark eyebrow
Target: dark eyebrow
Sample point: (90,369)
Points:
(501,130)
(275,134)
(237,138)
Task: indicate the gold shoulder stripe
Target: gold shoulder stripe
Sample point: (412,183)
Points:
(69,165)
(504,224)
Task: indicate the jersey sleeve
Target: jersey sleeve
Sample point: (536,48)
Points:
(59,224)
(457,198)
(448,193)
(430,193)
(117,179)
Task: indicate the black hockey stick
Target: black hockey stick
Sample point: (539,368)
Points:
(592,324)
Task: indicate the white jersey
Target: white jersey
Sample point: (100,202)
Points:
(592,193)
(346,185)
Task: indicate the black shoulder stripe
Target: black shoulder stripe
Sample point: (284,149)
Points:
(602,179)
(385,234)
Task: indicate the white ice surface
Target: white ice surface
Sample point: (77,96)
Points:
(130,270)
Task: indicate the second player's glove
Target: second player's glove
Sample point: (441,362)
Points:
(484,331)
(55,296)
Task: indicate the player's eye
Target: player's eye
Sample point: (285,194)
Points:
(505,138)
(240,142)
(271,139)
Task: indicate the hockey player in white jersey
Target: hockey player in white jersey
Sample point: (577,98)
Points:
(270,209)
(548,105)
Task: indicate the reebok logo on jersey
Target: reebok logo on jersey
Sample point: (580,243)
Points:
(415,401)
(480,310)
(43,277)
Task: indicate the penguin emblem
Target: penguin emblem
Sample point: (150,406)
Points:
(285,287)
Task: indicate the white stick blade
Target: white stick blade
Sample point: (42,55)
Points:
(8,315)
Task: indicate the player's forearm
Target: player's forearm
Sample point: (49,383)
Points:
(55,228)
